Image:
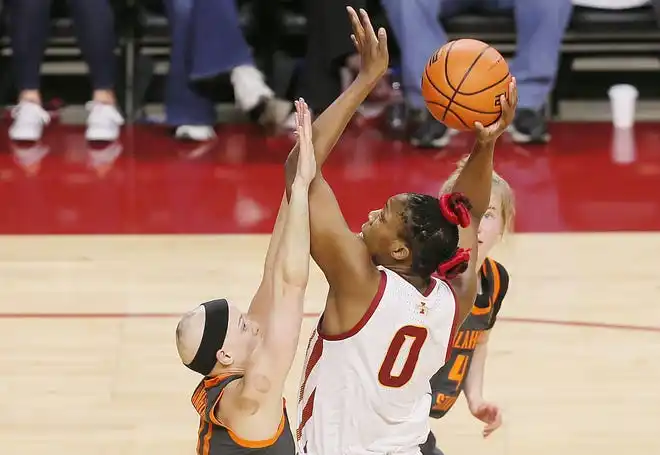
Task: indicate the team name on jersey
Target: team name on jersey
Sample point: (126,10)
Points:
(467,339)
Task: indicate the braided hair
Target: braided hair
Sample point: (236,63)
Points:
(431,231)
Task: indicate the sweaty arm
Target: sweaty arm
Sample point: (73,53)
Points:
(340,254)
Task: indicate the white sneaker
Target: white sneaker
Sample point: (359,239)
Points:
(29,121)
(198,133)
(103,122)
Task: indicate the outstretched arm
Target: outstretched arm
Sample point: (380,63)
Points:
(290,272)
(475,181)
(342,257)
(261,304)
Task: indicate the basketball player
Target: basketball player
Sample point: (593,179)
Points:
(245,358)
(464,371)
(365,386)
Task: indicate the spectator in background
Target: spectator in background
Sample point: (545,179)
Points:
(29,23)
(207,41)
(329,49)
(540,28)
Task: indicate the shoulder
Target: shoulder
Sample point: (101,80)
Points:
(212,396)
(498,278)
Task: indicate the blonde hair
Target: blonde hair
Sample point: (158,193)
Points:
(508,208)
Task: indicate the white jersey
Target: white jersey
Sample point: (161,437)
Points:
(367,391)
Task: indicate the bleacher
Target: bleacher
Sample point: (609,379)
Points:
(277,28)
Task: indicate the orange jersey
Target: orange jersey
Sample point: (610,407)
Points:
(214,438)
(447,383)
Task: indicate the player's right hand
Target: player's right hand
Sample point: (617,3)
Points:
(372,48)
(508,104)
(306,170)
(489,414)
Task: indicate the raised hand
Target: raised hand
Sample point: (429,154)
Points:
(306,170)
(371,47)
(508,104)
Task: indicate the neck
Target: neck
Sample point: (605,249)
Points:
(420,283)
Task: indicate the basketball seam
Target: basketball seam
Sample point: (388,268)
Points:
(485,88)
(449,110)
(428,78)
(465,75)
(446,75)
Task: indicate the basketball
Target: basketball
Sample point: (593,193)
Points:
(462,84)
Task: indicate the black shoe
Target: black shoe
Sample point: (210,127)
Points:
(430,134)
(529,127)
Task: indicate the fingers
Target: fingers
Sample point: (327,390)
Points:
(358,29)
(355,43)
(303,120)
(301,109)
(370,34)
(479,126)
(496,422)
(382,40)
(512,99)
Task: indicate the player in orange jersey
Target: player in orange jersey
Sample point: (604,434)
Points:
(245,357)
(464,371)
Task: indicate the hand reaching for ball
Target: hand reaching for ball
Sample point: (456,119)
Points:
(508,105)
(374,57)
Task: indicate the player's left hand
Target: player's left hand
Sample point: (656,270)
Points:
(488,413)
(508,105)
(306,170)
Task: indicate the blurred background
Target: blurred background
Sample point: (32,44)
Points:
(141,168)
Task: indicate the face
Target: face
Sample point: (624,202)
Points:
(491,227)
(243,336)
(381,232)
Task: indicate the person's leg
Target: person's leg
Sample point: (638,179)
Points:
(29,26)
(328,46)
(540,28)
(429,447)
(183,104)
(417,29)
(419,33)
(95,28)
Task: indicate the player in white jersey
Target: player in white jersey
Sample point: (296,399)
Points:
(365,386)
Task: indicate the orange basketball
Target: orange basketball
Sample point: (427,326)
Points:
(462,84)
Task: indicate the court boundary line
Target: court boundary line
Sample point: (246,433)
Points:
(509,319)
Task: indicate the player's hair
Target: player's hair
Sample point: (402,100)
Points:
(508,209)
(431,232)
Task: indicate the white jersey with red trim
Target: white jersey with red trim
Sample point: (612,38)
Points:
(367,391)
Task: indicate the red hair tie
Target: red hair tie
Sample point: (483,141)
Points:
(455,207)
(456,265)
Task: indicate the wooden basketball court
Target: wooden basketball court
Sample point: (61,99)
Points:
(89,364)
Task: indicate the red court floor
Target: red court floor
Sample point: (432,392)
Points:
(587,179)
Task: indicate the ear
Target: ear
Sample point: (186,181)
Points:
(399,250)
(224,358)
